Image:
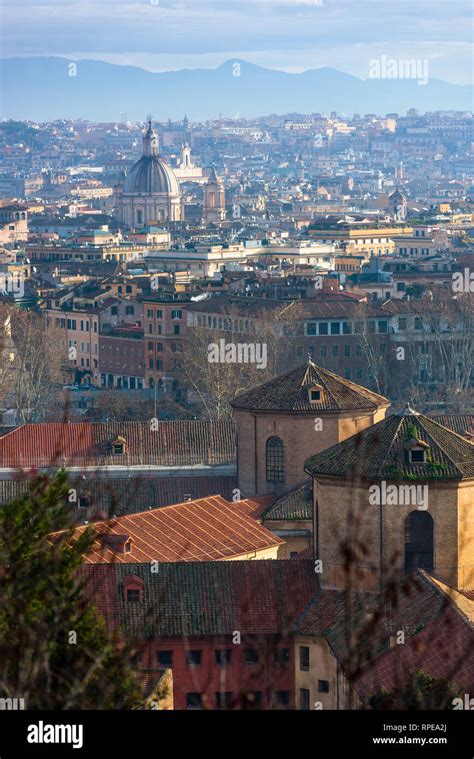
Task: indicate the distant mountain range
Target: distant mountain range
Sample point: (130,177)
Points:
(44,89)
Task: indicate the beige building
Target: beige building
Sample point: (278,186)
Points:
(401,493)
(13,223)
(278,423)
(214,200)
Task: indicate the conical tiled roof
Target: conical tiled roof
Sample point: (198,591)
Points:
(382,452)
(290,392)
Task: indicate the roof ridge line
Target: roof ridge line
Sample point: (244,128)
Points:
(394,438)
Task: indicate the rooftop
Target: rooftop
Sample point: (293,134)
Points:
(208,529)
(76,444)
(382,451)
(205,598)
(290,392)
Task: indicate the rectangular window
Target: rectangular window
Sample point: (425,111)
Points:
(402,322)
(176,329)
(282,655)
(418,322)
(164,659)
(133,595)
(346,328)
(383,327)
(323,328)
(159,314)
(347,372)
(347,351)
(194,658)
(311,329)
(335,351)
(176,314)
(254,699)
(304,658)
(150,346)
(323,351)
(251,656)
(335,328)
(223,656)
(304,699)
(323,686)
(193,700)
(224,699)
(282,697)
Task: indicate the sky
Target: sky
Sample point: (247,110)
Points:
(290,35)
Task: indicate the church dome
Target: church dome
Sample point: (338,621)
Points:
(151,175)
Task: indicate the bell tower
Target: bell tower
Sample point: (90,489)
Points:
(214,199)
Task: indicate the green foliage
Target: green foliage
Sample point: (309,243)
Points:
(42,602)
(419,691)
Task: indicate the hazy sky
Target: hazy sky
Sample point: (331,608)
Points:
(291,35)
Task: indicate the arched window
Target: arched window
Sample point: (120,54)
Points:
(418,541)
(275,460)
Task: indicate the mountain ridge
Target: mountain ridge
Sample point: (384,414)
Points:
(43,89)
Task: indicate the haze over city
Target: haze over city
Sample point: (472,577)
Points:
(236,375)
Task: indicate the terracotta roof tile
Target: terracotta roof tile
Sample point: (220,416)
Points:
(209,529)
(204,598)
(436,618)
(175,443)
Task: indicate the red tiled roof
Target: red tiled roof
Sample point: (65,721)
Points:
(175,443)
(441,645)
(257,506)
(443,649)
(204,598)
(209,529)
